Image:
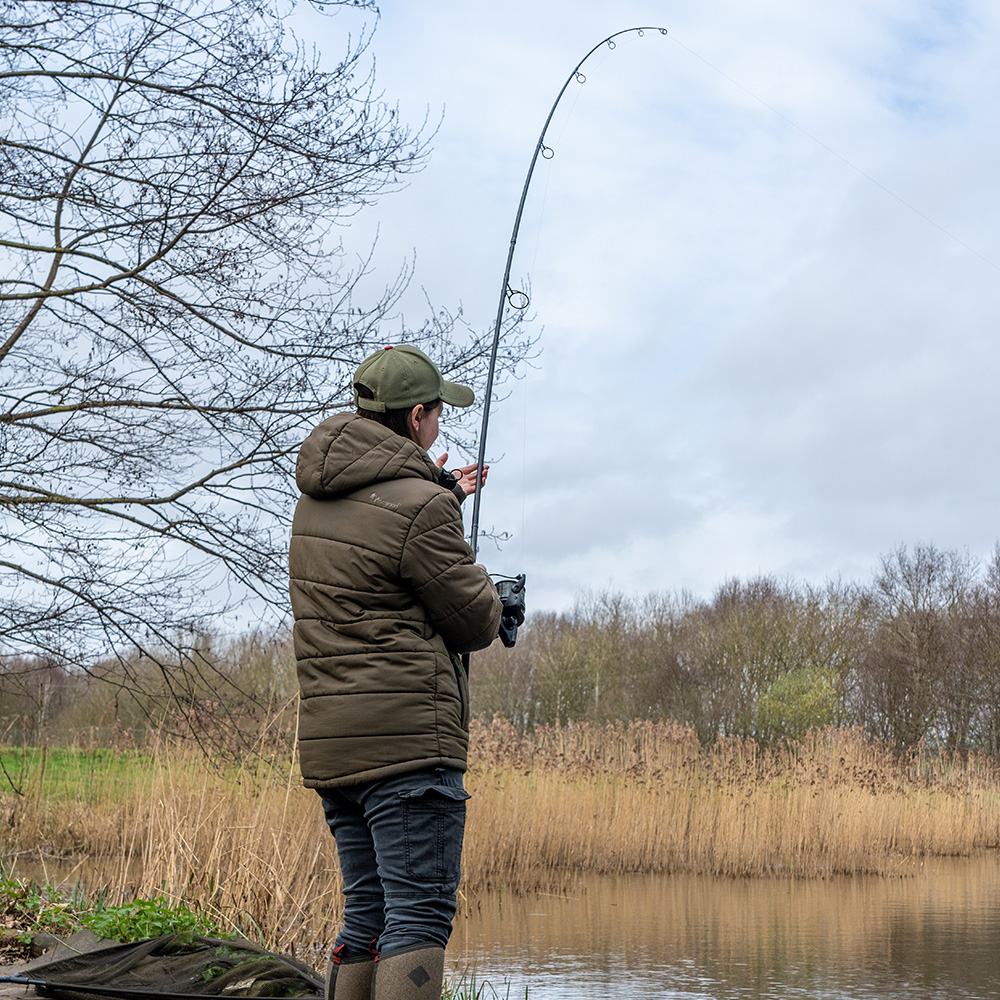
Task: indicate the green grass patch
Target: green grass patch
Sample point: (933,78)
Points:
(71,773)
(28,909)
(466,987)
(103,774)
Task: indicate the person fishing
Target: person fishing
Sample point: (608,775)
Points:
(386,595)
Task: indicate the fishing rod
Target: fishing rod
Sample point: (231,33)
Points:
(512,590)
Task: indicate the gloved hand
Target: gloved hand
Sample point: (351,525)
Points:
(512,617)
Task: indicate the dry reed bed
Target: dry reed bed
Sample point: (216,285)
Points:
(250,846)
(647,797)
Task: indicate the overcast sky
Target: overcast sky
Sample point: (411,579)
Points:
(765,271)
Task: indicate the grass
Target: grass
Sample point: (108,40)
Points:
(466,987)
(246,848)
(28,909)
(59,770)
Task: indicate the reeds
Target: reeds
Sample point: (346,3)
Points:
(249,845)
(647,797)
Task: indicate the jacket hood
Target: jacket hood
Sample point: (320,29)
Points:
(347,452)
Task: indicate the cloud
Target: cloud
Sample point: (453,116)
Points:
(764,262)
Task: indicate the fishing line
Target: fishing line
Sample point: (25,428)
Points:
(567,118)
(525,387)
(541,218)
(833,152)
(518,300)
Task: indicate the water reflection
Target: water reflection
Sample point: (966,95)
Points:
(935,934)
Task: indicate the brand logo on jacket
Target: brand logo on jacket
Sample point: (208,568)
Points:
(375,498)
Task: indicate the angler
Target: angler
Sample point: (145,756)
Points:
(386,595)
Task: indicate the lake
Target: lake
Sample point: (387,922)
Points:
(933,933)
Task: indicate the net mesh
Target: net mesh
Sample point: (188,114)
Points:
(177,966)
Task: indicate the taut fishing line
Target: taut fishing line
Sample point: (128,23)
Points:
(843,159)
(512,589)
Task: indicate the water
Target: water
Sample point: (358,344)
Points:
(934,934)
(931,935)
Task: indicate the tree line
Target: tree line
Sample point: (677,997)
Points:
(912,657)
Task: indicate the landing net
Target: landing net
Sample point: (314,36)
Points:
(175,967)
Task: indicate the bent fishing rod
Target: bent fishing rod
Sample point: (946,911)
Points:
(512,589)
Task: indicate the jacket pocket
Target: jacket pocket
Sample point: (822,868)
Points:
(462,679)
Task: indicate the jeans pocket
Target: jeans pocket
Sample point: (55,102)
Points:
(433,828)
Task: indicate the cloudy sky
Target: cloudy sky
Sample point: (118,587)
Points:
(765,274)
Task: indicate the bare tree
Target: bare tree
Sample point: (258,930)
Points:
(971,702)
(177,308)
(916,602)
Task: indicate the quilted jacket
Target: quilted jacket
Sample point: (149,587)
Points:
(385,594)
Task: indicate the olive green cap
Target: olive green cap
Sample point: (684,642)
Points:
(402,376)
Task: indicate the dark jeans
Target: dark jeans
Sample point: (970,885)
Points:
(399,841)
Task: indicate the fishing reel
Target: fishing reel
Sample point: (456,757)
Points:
(511,591)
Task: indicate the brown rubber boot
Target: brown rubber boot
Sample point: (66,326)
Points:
(350,978)
(415,973)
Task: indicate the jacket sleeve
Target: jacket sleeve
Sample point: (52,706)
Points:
(437,562)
